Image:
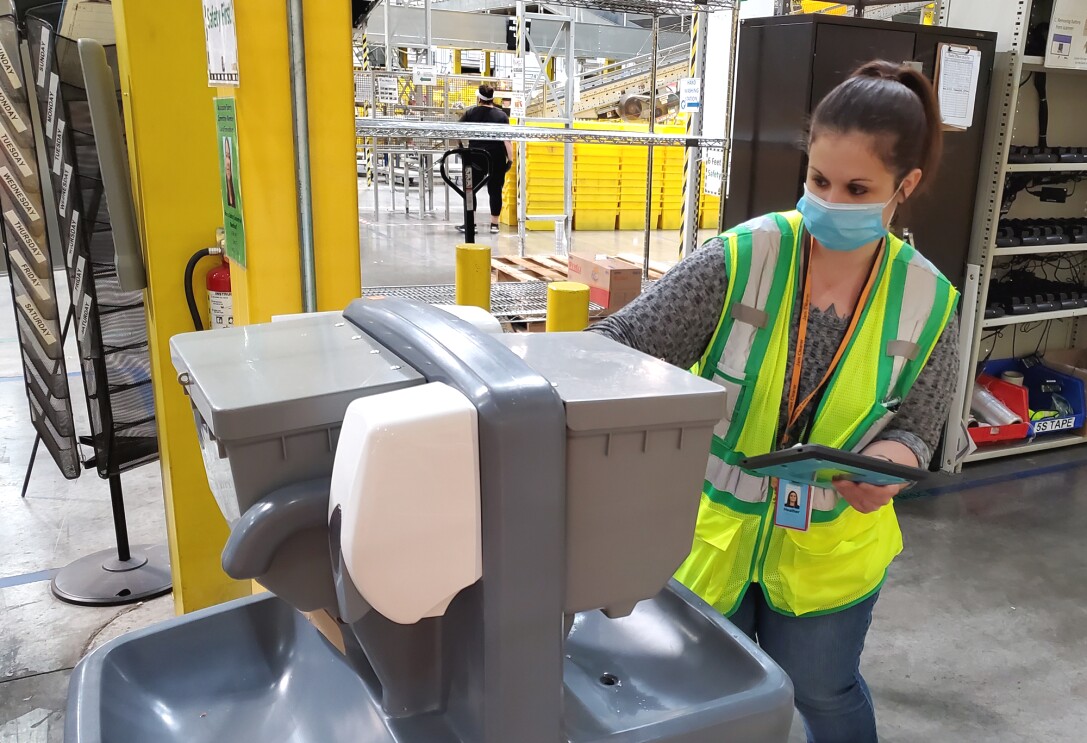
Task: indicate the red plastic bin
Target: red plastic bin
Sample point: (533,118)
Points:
(1015,397)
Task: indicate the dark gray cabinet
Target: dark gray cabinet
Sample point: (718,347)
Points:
(785,66)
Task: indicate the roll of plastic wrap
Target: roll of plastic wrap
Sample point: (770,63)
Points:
(986,407)
(1013,377)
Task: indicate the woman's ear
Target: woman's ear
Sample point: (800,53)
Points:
(909,183)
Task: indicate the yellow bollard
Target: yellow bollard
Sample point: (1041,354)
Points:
(567,306)
(473,278)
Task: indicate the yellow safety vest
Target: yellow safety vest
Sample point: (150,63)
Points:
(842,558)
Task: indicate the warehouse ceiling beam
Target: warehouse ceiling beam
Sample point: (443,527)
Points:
(458,30)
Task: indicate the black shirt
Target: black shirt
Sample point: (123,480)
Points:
(496,148)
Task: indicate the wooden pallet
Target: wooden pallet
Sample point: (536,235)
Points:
(535,268)
(554,267)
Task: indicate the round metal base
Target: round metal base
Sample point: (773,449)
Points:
(103,580)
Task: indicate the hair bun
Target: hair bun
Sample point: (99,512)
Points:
(884,70)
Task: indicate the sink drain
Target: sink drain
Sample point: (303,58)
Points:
(609,679)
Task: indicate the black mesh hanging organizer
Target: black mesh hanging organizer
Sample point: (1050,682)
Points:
(110,325)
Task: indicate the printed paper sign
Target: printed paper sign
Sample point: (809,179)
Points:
(690,94)
(1067,46)
(221,39)
(387,91)
(425,75)
(226,124)
(517,105)
(715,171)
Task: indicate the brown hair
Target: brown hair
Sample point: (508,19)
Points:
(894,103)
(486,93)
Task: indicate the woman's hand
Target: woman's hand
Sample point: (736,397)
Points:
(865,498)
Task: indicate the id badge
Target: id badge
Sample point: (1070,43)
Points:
(792,509)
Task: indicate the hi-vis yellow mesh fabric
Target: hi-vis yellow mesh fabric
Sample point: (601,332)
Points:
(843,557)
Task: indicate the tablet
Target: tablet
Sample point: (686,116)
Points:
(819,466)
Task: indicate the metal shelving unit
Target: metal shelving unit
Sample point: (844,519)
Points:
(1047,168)
(1013,119)
(400,129)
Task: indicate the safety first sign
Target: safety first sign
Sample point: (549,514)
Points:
(1067,47)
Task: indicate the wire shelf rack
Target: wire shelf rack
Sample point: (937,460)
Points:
(401,129)
(653,7)
(510,301)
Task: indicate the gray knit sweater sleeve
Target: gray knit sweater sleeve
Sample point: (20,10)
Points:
(675,319)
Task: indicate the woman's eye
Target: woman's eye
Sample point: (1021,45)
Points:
(858,190)
(820,182)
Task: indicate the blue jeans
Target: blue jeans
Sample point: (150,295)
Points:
(822,656)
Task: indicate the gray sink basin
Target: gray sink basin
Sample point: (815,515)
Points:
(256,670)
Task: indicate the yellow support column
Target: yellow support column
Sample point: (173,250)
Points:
(175,177)
(488,64)
(456,62)
(174,154)
(331,88)
(270,284)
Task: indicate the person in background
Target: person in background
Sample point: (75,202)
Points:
(500,153)
(824,328)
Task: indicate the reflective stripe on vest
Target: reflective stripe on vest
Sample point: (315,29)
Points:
(844,555)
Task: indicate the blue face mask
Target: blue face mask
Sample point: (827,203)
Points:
(842,226)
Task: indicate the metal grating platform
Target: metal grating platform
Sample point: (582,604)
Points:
(510,301)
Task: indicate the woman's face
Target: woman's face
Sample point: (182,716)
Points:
(845,169)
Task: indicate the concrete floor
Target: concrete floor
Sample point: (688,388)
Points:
(978,635)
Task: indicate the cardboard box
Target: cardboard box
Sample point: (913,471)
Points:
(1067,43)
(613,283)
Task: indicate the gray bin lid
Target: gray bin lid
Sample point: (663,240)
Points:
(608,386)
(266,380)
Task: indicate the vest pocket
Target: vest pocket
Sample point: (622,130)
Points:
(735,387)
(710,569)
(837,562)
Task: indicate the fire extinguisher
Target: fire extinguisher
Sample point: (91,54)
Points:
(220,302)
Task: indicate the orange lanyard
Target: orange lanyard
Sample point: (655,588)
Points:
(796,411)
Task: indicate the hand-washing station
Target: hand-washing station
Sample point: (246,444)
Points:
(489,520)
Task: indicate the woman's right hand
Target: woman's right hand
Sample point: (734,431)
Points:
(865,498)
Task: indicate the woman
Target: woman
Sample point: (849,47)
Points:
(824,328)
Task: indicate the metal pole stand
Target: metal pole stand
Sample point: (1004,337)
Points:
(115,577)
